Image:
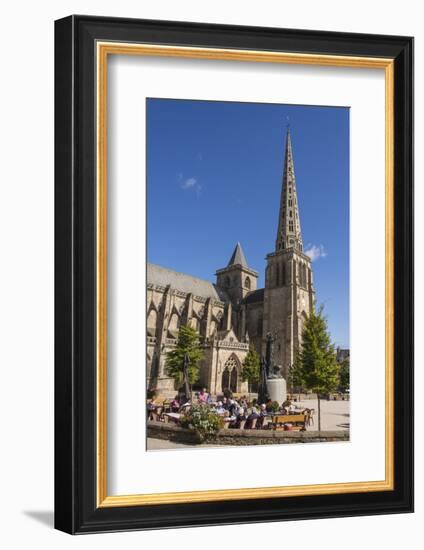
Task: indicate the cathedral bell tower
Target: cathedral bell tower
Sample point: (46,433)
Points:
(289,293)
(237,279)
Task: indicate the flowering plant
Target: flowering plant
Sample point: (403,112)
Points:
(203,420)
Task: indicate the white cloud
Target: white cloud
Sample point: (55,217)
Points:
(189,183)
(315,252)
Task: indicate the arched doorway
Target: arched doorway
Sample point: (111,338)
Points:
(233,380)
(226,379)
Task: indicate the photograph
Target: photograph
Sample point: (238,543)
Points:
(247,274)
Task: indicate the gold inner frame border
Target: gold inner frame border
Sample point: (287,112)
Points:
(103,50)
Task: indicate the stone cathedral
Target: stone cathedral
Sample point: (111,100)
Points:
(232,314)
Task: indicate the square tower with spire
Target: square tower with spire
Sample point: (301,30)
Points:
(237,279)
(289,293)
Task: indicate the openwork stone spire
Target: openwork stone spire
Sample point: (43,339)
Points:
(289,233)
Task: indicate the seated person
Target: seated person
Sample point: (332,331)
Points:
(240,416)
(263,413)
(204,396)
(232,407)
(175,404)
(225,403)
(243,402)
(153,408)
(219,409)
(285,406)
(292,408)
(268,405)
(252,413)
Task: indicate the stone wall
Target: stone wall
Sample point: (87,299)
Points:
(170,432)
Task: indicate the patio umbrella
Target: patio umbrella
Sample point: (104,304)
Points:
(263,395)
(186,362)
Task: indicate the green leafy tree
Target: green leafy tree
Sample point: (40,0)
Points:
(344,374)
(295,379)
(250,367)
(188,343)
(316,363)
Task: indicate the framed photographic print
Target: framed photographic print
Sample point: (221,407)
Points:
(233,272)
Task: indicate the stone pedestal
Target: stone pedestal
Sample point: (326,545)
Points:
(277,389)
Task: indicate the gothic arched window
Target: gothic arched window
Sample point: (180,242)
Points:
(174,323)
(230,374)
(152,319)
(152,322)
(194,323)
(247,283)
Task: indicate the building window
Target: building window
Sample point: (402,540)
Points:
(174,323)
(303,275)
(283,275)
(230,374)
(194,323)
(152,319)
(247,283)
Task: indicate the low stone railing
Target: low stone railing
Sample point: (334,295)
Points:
(232,436)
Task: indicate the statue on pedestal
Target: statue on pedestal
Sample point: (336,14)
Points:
(271,384)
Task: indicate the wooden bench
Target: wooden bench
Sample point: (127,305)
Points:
(298,421)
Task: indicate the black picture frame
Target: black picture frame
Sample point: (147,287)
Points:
(76,510)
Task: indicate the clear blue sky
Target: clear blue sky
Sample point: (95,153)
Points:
(214,173)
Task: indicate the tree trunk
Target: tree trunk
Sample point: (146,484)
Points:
(319,413)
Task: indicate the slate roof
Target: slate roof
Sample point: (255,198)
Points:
(238,257)
(163,276)
(254,296)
